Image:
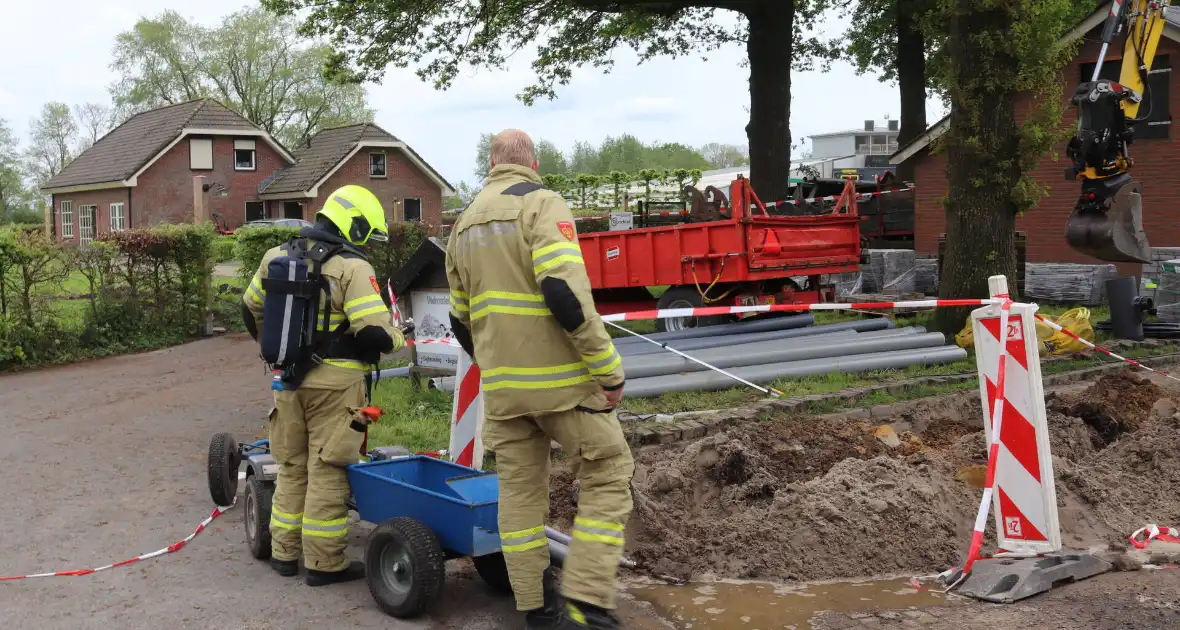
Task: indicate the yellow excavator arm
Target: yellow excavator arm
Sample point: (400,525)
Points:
(1107,220)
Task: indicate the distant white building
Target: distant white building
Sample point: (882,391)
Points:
(869,146)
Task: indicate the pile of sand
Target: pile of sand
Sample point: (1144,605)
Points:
(812,498)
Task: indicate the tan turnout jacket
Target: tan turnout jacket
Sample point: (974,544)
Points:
(513,236)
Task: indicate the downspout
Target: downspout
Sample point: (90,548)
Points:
(127,215)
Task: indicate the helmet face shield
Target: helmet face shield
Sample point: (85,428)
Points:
(378,236)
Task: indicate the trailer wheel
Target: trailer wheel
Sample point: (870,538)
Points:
(404,567)
(223,469)
(494,571)
(258,496)
(684,297)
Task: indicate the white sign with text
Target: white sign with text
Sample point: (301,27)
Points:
(431,311)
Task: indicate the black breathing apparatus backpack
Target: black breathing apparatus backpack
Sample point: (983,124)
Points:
(296,334)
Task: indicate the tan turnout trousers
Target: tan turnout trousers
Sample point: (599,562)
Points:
(602,462)
(312,440)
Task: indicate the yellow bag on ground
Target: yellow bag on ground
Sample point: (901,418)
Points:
(1076,321)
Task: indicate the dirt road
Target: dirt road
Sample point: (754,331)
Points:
(106,460)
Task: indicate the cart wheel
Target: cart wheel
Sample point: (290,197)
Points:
(685,297)
(404,567)
(258,496)
(223,469)
(494,571)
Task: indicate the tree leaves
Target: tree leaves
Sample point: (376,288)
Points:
(252,62)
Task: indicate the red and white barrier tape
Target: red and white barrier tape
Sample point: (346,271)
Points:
(1154,532)
(166,550)
(786,202)
(707,311)
(1069,333)
(993,453)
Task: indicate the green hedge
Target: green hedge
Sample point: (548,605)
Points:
(148,288)
(223,248)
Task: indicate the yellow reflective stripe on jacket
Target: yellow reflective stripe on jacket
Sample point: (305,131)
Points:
(598,531)
(551,256)
(508,303)
(535,377)
(364,306)
(334,320)
(523,540)
(285,520)
(459,301)
(334,528)
(255,292)
(351,364)
(604,362)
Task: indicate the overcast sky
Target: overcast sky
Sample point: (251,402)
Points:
(60,50)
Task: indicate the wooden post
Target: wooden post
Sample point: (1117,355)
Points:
(199,214)
(48,215)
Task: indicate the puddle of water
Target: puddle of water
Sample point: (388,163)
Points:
(731,605)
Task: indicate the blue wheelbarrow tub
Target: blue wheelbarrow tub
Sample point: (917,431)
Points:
(459,504)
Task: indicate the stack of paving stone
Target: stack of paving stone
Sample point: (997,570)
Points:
(1067,283)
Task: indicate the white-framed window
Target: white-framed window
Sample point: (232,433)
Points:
(67,219)
(200,154)
(244,155)
(412,209)
(86,224)
(377,164)
(118,217)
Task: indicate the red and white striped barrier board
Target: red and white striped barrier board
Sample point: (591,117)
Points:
(1020,467)
(177,546)
(466,446)
(1141,538)
(707,311)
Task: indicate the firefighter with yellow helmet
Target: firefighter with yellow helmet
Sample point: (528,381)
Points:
(521,307)
(316,309)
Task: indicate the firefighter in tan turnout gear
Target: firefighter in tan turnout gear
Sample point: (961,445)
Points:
(521,306)
(313,435)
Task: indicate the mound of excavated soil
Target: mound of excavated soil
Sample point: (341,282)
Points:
(815,498)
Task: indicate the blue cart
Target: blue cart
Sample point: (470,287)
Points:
(427,511)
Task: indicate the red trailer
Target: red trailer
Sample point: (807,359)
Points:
(747,258)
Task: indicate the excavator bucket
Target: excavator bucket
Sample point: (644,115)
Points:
(1113,234)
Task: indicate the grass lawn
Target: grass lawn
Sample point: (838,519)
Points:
(417,420)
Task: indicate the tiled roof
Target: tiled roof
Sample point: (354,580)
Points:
(324,152)
(119,154)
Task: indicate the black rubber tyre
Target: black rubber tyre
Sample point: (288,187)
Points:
(686,297)
(223,469)
(404,567)
(494,571)
(258,496)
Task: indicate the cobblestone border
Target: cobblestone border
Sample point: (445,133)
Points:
(692,425)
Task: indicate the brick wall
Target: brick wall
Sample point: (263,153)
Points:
(100,198)
(403,180)
(165,190)
(1155,161)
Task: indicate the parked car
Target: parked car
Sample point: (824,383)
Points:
(293,223)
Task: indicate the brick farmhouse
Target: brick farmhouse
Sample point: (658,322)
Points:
(144,173)
(1155,151)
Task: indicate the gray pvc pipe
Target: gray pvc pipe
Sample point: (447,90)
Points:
(391,373)
(841,338)
(737,328)
(559,543)
(659,365)
(685,345)
(761,374)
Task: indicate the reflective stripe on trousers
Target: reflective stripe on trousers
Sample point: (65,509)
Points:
(598,531)
(283,520)
(334,528)
(555,255)
(523,540)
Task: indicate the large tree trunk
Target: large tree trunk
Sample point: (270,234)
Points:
(982,167)
(911,80)
(770,48)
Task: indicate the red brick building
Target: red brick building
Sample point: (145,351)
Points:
(1156,152)
(143,173)
(362,154)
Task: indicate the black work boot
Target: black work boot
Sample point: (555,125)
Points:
(355,571)
(285,568)
(580,615)
(549,616)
